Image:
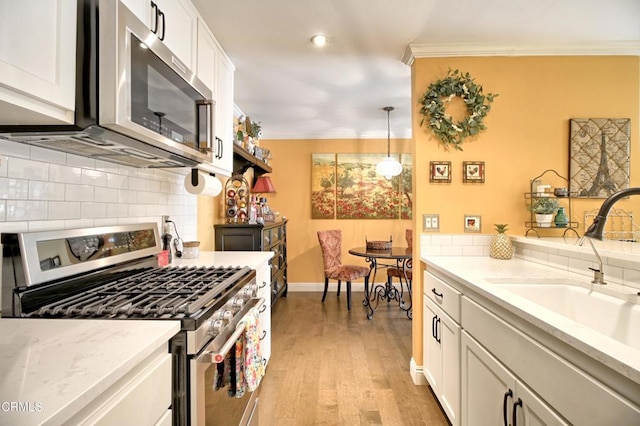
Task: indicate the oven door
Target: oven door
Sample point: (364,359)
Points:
(215,407)
(146,92)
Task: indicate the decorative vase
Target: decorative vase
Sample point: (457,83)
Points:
(544,220)
(561,220)
(501,245)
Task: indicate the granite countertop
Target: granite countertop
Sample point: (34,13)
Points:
(55,367)
(479,274)
(252,259)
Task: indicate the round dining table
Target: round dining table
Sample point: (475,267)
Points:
(396,257)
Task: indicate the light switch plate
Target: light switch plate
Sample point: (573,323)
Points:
(431,222)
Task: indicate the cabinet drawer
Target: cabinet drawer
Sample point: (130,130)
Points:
(443,295)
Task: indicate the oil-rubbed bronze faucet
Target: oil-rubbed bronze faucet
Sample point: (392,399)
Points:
(596,230)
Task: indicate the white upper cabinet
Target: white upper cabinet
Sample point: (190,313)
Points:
(216,71)
(37,61)
(174,22)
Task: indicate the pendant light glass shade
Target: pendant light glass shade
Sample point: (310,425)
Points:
(389,167)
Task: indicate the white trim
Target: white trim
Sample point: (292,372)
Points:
(436,50)
(319,287)
(417,373)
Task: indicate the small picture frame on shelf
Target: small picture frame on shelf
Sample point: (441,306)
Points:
(473,171)
(472,223)
(440,171)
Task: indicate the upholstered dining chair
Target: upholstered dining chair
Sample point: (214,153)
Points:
(392,271)
(331,246)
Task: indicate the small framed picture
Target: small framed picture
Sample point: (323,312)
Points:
(472,223)
(56,261)
(473,171)
(440,171)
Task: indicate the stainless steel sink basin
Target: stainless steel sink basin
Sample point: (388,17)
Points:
(608,315)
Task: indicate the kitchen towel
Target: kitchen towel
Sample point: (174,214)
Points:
(201,183)
(253,365)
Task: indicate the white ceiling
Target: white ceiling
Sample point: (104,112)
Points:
(298,91)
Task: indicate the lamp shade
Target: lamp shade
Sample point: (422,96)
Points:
(389,167)
(263,185)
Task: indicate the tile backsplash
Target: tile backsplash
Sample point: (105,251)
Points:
(41,189)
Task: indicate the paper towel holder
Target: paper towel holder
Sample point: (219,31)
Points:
(195,176)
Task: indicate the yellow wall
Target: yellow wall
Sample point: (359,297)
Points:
(528,132)
(292,178)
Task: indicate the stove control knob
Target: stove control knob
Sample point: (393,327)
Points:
(236,303)
(216,326)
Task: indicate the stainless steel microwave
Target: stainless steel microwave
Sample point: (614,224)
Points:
(136,103)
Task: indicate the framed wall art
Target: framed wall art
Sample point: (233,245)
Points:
(473,171)
(440,171)
(599,156)
(472,223)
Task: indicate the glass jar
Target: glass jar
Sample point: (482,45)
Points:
(561,218)
(191,250)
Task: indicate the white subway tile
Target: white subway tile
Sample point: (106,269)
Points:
(558,261)
(106,167)
(48,155)
(78,223)
(14,149)
(106,195)
(452,250)
(64,210)
(19,210)
(27,169)
(94,177)
(127,171)
(78,161)
(482,240)
(117,181)
(14,189)
(441,240)
(137,184)
(145,197)
(3,216)
(117,210)
(46,191)
(462,240)
(472,250)
(127,197)
(146,173)
(79,193)
(3,165)
(65,174)
(93,210)
(14,227)
(137,210)
(153,186)
(46,225)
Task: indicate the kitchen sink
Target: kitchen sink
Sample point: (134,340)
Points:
(605,314)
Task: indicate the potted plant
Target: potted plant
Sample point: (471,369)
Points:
(544,208)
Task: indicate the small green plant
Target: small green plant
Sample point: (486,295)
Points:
(544,205)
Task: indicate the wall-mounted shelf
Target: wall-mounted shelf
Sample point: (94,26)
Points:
(243,160)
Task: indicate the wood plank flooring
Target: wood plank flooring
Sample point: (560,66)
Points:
(330,366)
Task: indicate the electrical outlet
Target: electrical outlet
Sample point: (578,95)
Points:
(431,222)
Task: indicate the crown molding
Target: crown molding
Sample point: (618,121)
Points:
(439,50)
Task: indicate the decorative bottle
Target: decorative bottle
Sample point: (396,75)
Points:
(561,220)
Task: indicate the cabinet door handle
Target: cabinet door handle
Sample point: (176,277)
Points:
(264,334)
(264,284)
(515,411)
(263,308)
(433,290)
(164,24)
(433,327)
(154,8)
(438,330)
(508,394)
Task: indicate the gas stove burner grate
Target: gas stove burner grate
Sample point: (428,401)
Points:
(172,292)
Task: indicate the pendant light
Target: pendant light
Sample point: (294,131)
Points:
(389,167)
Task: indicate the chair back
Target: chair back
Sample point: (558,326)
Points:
(331,246)
(408,233)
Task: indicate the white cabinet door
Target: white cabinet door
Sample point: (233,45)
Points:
(175,21)
(216,71)
(491,394)
(441,351)
(37,61)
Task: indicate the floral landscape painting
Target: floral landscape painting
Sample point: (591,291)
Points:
(346,186)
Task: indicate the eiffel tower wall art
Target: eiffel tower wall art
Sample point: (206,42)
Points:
(599,164)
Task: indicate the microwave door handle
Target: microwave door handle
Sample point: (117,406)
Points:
(164,26)
(206,145)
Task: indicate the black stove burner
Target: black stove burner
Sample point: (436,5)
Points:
(158,293)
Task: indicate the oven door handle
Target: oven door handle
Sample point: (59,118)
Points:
(221,344)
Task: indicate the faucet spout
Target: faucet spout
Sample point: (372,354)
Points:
(596,230)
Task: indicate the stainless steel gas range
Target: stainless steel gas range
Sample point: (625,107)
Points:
(112,273)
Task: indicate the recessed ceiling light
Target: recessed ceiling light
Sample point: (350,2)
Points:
(319,40)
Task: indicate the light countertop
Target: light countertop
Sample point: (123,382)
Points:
(480,274)
(252,259)
(58,366)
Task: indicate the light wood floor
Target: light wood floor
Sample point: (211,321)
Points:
(333,367)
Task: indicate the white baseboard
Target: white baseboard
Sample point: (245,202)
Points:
(417,374)
(319,287)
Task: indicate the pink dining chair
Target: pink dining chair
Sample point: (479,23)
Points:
(331,246)
(398,272)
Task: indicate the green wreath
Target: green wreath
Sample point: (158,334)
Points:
(433,108)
